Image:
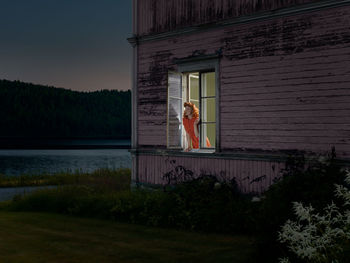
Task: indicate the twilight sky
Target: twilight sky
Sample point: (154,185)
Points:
(73,44)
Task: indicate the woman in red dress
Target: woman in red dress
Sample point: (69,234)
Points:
(190,121)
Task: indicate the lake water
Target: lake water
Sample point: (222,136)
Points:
(36,161)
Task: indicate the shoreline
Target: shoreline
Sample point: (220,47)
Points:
(63,143)
(63,147)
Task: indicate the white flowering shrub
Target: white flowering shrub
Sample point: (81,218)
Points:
(319,237)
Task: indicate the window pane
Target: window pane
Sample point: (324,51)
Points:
(208,84)
(174,134)
(208,135)
(174,110)
(208,110)
(194,88)
(174,85)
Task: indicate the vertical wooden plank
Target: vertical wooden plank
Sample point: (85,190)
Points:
(191,164)
(202,166)
(208,166)
(194,165)
(165,167)
(162,169)
(270,172)
(217,167)
(200,162)
(228,169)
(234,165)
(179,161)
(168,165)
(144,169)
(151,168)
(214,168)
(232,169)
(139,167)
(156,171)
(239,175)
(245,176)
(253,165)
(267,175)
(251,168)
(262,182)
(222,168)
(278,169)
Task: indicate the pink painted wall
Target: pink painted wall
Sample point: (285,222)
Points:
(285,83)
(155,16)
(151,169)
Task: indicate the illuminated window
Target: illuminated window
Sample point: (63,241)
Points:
(200,89)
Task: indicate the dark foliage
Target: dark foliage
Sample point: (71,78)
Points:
(28,110)
(200,204)
(307,181)
(206,203)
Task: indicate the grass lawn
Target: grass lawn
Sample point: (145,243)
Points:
(40,237)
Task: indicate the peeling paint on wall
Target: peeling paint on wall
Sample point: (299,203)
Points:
(157,16)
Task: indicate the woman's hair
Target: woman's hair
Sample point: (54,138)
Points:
(195,111)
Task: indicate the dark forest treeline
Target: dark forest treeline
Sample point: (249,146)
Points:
(36,111)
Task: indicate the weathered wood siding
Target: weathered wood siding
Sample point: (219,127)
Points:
(251,176)
(155,16)
(284,82)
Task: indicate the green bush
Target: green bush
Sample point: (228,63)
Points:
(212,205)
(202,204)
(82,194)
(73,200)
(308,181)
(316,237)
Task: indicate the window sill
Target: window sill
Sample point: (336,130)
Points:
(175,152)
(200,151)
(234,154)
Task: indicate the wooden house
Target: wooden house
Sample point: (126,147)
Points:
(270,78)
